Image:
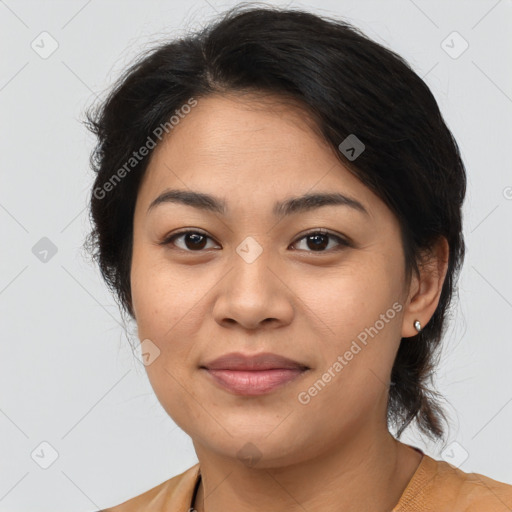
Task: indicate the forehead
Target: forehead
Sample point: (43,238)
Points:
(245,147)
(226,129)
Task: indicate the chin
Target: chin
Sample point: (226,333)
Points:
(257,447)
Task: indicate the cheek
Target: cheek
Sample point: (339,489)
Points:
(359,312)
(175,393)
(345,300)
(163,296)
(168,318)
(170,304)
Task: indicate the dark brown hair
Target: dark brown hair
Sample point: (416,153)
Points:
(352,85)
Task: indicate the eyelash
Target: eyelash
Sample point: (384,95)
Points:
(341,242)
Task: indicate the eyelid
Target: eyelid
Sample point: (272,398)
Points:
(322,231)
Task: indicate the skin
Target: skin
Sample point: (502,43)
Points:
(307,305)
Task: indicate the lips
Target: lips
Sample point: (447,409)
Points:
(254,375)
(264,361)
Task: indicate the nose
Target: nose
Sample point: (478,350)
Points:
(253,295)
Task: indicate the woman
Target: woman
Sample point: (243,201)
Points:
(278,207)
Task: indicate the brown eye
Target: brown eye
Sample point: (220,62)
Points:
(196,241)
(190,240)
(318,241)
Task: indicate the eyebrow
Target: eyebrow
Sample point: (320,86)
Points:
(281,209)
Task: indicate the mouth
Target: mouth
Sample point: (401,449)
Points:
(253,375)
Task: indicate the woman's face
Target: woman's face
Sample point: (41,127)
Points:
(249,280)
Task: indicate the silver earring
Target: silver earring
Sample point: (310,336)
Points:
(417,325)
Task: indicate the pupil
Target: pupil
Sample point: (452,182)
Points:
(316,238)
(194,237)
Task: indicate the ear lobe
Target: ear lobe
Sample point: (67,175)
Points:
(425,289)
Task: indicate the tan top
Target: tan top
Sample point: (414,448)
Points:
(436,486)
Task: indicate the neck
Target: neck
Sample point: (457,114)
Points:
(358,476)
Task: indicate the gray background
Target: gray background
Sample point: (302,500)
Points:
(68,376)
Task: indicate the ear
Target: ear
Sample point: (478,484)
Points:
(425,289)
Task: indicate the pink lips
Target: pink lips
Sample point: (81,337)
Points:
(253,375)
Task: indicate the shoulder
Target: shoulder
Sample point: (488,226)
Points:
(171,495)
(440,486)
(474,491)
